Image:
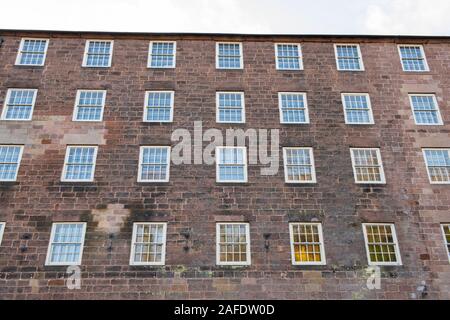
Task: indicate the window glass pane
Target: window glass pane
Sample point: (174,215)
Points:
(98,53)
(33,52)
(288,56)
(19,105)
(438,164)
(367,165)
(154,164)
(293,108)
(381,243)
(357,109)
(348,57)
(80,163)
(231,162)
(90,105)
(306,243)
(231,107)
(159,106)
(299,165)
(233,243)
(149,243)
(9,162)
(412,58)
(229,55)
(425,109)
(162,54)
(66,243)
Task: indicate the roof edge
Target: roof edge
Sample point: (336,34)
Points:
(210,34)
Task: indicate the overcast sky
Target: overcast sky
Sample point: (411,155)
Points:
(424,17)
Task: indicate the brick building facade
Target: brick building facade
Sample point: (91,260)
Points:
(192,202)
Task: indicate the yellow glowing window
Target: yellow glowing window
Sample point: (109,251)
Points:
(381,244)
(307,243)
(446,231)
(233,244)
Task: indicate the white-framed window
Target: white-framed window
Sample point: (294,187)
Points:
(288,56)
(32,52)
(446,233)
(148,245)
(66,244)
(229,55)
(233,243)
(79,164)
(413,58)
(348,57)
(230,107)
(89,105)
(437,162)
(2,230)
(307,243)
(10,157)
(381,244)
(357,108)
(231,164)
(154,164)
(293,107)
(367,165)
(425,109)
(98,53)
(19,104)
(162,54)
(299,165)
(158,106)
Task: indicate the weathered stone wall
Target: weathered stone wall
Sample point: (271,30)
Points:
(192,201)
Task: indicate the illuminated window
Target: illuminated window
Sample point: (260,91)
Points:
(230,107)
(293,107)
(158,106)
(231,164)
(288,56)
(149,244)
(98,53)
(381,244)
(89,105)
(413,58)
(446,233)
(79,164)
(367,165)
(348,57)
(425,109)
(299,165)
(32,52)
(233,243)
(162,54)
(154,164)
(19,104)
(229,55)
(10,157)
(307,243)
(357,108)
(2,230)
(437,162)
(66,244)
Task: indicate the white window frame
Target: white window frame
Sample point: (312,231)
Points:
(19,53)
(323,260)
(427,168)
(396,245)
(163,249)
(2,231)
(172,102)
(86,49)
(241,52)
(241,93)
(66,158)
(8,96)
(244,154)
(425,62)
(382,175)
(18,162)
(141,152)
(361,62)
(248,251)
(438,110)
(305,102)
(369,105)
(313,169)
(300,58)
(446,244)
(150,48)
(49,249)
(77,102)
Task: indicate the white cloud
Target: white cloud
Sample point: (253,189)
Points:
(408,17)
